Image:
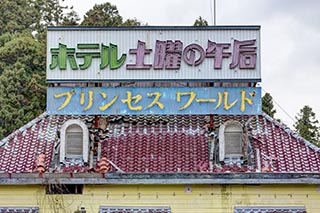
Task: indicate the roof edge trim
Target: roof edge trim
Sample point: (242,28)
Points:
(100,28)
(291,132)
(160,178)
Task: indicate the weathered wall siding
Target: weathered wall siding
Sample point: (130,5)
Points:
(20,196)
(202,199)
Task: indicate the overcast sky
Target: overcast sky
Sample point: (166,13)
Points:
(290,32)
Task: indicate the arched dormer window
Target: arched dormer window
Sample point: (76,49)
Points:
(230,140)
(74,140)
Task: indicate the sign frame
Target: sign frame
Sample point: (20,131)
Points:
(76,37)
(153,100)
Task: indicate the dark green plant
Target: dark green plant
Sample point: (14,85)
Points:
(200,22)
(307,125)
(267,105)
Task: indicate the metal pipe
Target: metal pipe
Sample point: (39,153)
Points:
(214,9)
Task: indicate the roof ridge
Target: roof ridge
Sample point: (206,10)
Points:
(23,128)
(291,132)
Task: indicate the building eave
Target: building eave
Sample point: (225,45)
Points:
(159,178)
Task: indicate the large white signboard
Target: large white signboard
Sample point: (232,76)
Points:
(82,54)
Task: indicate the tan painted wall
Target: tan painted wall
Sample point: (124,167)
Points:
(202,199)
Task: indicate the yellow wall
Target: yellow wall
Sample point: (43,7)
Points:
(202,199)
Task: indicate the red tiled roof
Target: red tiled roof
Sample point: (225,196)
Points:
(19,150)
(152,144)
(283,150)
(158,152)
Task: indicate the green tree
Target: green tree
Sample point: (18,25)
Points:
(18,15)
(52,13)
(21,98)
(200,22)
(104,14)
(33,15)
(131,22)
(24,49)
(307,125)
(107,14)
(267,105)
(22,65)
(71,18)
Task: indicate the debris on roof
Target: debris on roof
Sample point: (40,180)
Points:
(158,144)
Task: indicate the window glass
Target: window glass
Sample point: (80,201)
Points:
(74,141)
(233,137)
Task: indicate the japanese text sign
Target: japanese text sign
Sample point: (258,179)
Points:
(153,100)
(80,54)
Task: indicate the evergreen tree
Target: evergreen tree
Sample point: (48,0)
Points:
(24,49)
(52,13)
(102,15)
(267,105)
(22,64)
(107,14)
(33,15)
(22,80)
(200,22)
(22,98)
(131,22)
(71,18)
(307,125)
(18,15)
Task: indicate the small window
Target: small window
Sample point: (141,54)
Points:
(134,209)
(64,189)
(232,140)
(20,209)
(280,209)
(74,141)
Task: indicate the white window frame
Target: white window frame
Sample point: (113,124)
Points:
(222,142)
(85,139)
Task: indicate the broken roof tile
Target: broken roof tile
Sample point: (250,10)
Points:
(158,143)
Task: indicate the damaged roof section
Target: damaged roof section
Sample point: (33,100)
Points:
(158,144)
